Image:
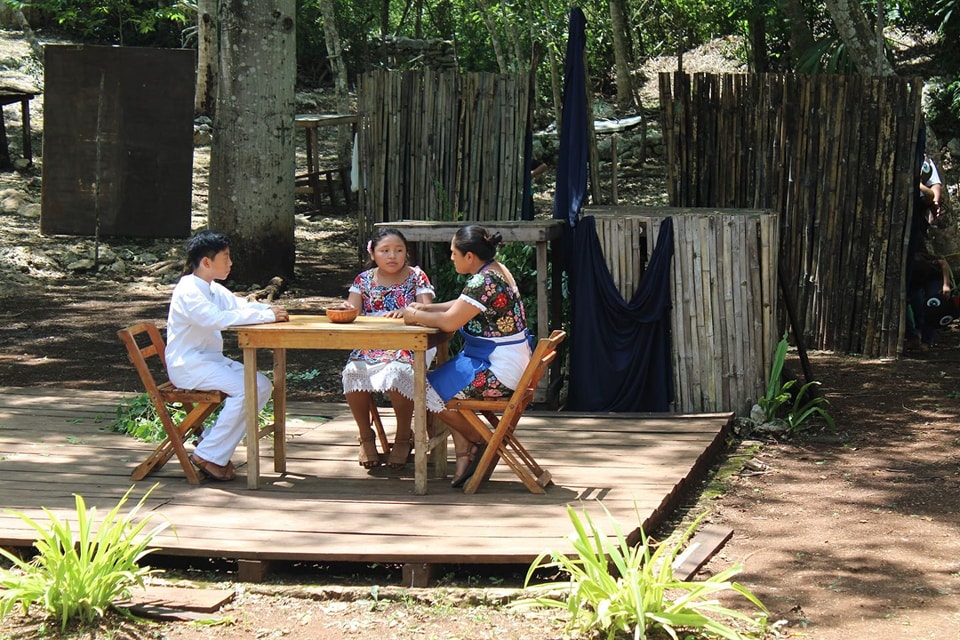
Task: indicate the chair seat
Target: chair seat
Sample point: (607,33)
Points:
(171,393)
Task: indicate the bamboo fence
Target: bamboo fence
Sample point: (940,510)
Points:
(723,291)
(835,157)
(440,145)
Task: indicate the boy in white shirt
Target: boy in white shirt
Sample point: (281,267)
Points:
(199,310)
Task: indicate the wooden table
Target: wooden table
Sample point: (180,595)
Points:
(317,332)
(10,96)
(310,123)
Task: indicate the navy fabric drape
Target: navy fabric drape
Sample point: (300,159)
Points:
(619,351)
(572,160)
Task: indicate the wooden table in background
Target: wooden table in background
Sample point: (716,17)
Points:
(311,123)
(317,332)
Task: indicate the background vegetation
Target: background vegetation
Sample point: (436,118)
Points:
(515,35)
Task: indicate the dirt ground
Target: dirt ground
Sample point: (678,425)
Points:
(846,535)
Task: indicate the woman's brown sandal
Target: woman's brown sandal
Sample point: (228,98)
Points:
(399,453)
(475,453)
(369,456)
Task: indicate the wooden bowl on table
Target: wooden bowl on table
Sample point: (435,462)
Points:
(342,314)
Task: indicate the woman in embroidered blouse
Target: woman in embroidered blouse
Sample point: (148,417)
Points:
(383,291)
(489,314)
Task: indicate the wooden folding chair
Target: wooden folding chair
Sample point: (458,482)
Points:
(198,404)
(501,418)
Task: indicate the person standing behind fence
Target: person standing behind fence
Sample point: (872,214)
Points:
(200,308)
(384,290)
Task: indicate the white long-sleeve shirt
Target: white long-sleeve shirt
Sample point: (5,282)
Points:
(199,311)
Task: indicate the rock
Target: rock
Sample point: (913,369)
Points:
(29,210)
(84,264)
(10,204)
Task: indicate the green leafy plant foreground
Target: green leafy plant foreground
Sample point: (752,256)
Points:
(77,574)
(615,587)
(777,400)
(138,417)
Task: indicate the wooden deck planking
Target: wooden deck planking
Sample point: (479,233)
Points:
(327,508)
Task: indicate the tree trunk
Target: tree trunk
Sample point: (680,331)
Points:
(554,72)
(206,97)
(621,52)
(494,37)
(335,54)
(758,44)
(858,36)
(801,35)
(252,158)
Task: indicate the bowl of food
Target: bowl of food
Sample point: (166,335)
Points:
(342,313)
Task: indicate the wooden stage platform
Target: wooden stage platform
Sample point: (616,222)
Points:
(327,508)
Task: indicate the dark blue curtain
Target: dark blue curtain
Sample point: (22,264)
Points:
(572,161)
(619,351)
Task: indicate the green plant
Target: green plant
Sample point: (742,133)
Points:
(805,404)
(617,587)
(138,417)
(79,574)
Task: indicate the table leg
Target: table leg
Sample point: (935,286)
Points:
(420,437)
(280,410)
(250,408)
(25,122)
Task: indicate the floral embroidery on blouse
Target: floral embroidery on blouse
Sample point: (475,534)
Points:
(377,300)
(503,313)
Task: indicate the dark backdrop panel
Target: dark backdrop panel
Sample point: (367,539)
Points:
(117,141)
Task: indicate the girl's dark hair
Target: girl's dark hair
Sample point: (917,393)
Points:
(477,239)
(379,233)
(204,244)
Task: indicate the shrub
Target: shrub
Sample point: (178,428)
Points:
(78,575)
(615,587)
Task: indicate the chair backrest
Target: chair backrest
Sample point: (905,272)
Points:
(139,355)
(542,356)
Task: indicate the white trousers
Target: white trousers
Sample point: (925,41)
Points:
(221,439)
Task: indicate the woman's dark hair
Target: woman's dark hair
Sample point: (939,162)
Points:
(204,244)
(478,240)
(379,233)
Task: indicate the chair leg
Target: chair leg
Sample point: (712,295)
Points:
(173,445)
(378,425)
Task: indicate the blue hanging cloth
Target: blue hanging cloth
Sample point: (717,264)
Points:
(619,352)
(572,158)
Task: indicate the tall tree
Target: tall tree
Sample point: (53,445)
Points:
(621,53)
(205,100)
(859,37)
(801,35)
(252,160)
(335,54)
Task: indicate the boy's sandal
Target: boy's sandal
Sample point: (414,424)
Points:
(369,456)
(214,471)
(399,453)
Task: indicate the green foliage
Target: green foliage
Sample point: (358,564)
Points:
(78,574)
(805,404)
(123,22)
(615,587)
(138,418)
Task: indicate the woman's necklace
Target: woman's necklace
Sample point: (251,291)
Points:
(486,264)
